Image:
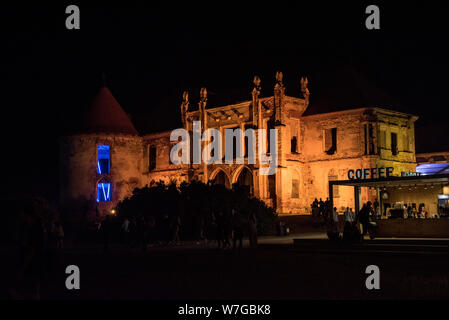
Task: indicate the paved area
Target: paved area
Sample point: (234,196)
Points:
(274,270)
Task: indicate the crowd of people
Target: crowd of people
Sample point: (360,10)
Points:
(352,221)
(148,231)
(321,209)
(410,212)
(39,237)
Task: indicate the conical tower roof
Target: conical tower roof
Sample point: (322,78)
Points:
(107,116)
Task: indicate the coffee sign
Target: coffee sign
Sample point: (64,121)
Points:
(370,173)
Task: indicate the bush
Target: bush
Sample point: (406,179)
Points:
(195,202)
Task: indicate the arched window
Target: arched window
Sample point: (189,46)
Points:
(295,188)
(293,144)
(104,191)
(245,180)
(103,163)
(222,178)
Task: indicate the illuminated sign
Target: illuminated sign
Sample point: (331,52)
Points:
(370,173)
(410,174)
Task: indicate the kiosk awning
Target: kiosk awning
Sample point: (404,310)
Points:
(394,181)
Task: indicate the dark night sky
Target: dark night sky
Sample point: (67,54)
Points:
(152,54)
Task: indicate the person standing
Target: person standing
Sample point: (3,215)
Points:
(415,212)
(409,212)
(125,230)
(59,232)
(227,230)
(252,228)
(335,215)
(364,216)
(151,231)
(142,232)
(335,218)
(176,225)
(349,215)
(106,232)
(376,208)
(237,228)
(220,230)
(321,208)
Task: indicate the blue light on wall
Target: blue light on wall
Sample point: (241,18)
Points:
(103,192)
(103,164)
(433,168)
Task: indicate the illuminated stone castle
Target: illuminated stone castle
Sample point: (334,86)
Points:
(105,163)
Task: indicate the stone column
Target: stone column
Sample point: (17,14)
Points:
(203,117)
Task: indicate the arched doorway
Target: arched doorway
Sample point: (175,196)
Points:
(221,178)
(245,179)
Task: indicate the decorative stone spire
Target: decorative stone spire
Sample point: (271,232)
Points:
(305,90)
(202,108)
(256,94)
(279,91)
(184,107)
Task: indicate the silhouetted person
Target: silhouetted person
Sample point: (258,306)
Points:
(321,208)
(252,229)
(332,230)
(315,209)
(59,233)
(364,217)
(32,241)
(335,215)
(132,232)
(125,230)
(409,212)
(237,228)
(201,229)
(175,227)
(151,230)
(106,230)
(220,229)
(349,215)
(327,210)
(376,208)
(164,230)
(142,233)
(227,230)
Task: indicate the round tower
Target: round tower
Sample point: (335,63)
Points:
(102,164)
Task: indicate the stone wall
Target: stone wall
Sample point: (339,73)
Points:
(302,175)
(79,177)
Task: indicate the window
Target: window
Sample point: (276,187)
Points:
(330,141)
(371,138)
(383,139)
(335,191)
(366,139)
(103,192)
(270,125)
(152,158)
(212,152)
(103,164)
(394,143)
(295,188)
(405,142)
(294,145)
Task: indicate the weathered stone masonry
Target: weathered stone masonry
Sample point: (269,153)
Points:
(312,150)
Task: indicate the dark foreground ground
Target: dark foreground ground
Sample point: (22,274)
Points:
(274,270)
